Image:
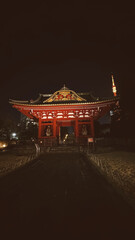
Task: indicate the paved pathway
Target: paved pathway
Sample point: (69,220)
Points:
(62,195)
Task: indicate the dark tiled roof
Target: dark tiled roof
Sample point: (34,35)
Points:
(43,97)
(50,99)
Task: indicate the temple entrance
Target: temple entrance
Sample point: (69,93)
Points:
(65,131)
(67,135)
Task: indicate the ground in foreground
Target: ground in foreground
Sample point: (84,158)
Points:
(62,195)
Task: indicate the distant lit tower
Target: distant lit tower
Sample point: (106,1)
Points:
(114,90)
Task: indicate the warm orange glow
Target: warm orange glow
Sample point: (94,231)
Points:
(114,87)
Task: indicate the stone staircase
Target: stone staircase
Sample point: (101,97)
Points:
(64,149)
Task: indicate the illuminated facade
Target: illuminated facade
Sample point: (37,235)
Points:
(65,109)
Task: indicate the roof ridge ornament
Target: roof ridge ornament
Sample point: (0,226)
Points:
(64,88)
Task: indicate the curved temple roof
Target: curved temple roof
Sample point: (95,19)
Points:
(64,100)
(62,96)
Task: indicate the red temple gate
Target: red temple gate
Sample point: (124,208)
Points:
(65,108)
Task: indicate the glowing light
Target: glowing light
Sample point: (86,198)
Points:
(4,145)
(13,134)
(114,87)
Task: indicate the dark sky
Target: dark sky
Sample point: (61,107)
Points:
(44,45)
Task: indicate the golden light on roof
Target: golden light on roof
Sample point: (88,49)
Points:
(64,94)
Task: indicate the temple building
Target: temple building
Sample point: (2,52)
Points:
(65,114)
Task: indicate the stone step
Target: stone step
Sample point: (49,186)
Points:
(64,149)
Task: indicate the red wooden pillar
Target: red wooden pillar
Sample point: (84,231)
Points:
(76,128)
(92,127)
(39,128)
(54,127)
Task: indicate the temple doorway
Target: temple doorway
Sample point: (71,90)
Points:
(67,135)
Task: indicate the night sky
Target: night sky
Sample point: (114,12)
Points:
(45,45)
